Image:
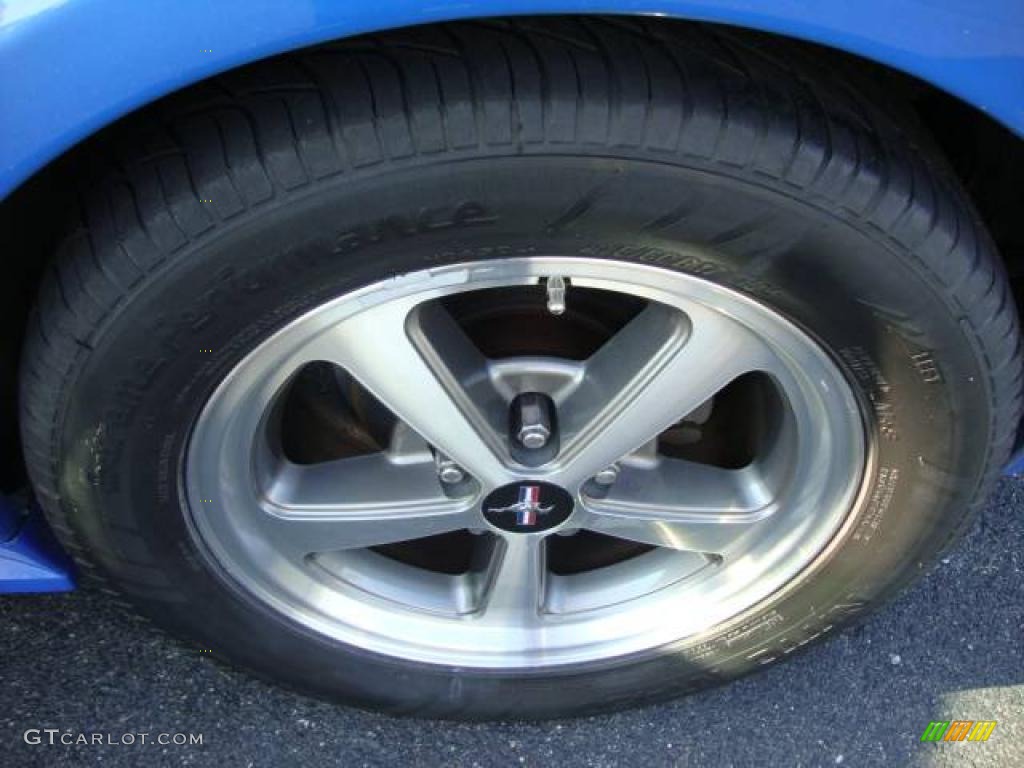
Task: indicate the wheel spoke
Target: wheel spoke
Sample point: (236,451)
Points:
(655,371)
(358,502)
(418,363)
(516,582)
(682,505)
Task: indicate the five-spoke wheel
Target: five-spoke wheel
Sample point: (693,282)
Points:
(517,449)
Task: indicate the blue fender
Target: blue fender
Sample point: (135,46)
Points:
(31,560)
(68,67)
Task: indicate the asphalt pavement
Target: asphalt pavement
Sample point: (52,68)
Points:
(950,648)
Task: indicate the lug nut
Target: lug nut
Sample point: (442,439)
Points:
(532,419)
(533,437)
(532,429)
(608,475)
(452,475)
(448,471)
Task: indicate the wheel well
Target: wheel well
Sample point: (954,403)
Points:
(987,157)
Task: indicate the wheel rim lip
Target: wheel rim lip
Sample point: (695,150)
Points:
(352,616)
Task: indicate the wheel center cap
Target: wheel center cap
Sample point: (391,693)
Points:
(527,507)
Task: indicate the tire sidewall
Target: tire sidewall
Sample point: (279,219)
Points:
(872,303)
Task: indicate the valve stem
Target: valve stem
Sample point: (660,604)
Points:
(556,294)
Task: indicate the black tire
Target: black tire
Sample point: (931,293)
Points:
(218,215)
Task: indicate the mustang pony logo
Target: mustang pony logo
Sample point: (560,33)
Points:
(528,506)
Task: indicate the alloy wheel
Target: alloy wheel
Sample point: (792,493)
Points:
(438,530)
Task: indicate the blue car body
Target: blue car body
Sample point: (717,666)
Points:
(70,67)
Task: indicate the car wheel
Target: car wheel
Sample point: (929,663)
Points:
(518,370)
